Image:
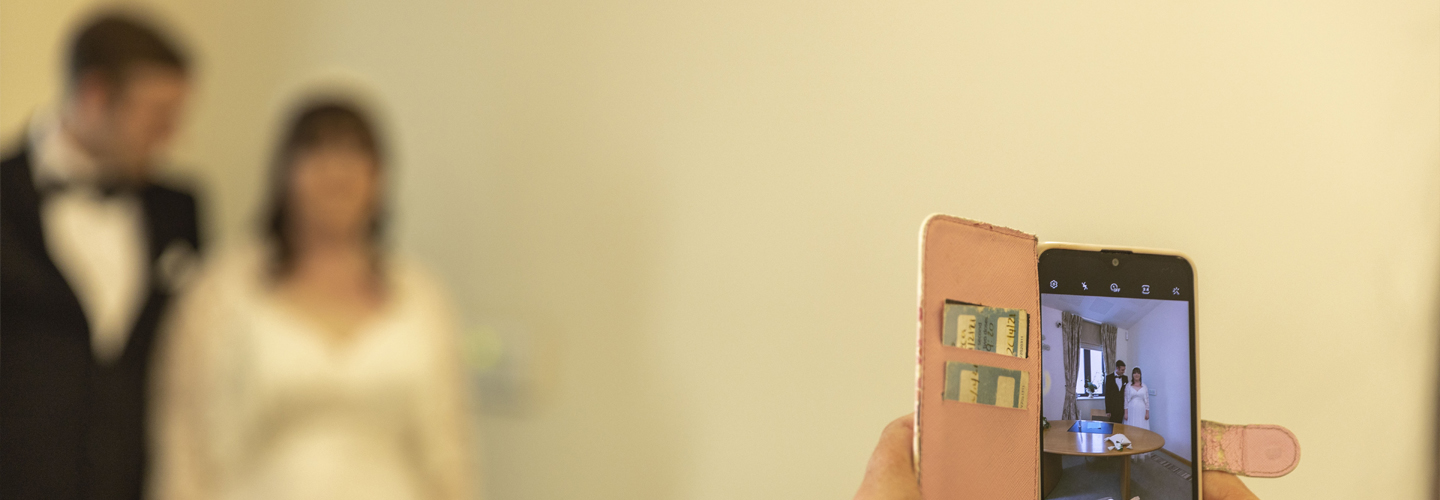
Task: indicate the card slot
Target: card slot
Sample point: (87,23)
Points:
(998,330)
(940,357)
(987,385)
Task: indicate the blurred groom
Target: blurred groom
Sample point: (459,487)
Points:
(1115,393)
(91,251)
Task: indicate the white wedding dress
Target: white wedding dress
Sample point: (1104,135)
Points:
(1137,403)
(255,403)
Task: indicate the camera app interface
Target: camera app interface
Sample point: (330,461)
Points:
(1117,391)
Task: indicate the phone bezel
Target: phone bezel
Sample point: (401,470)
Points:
(1196,466)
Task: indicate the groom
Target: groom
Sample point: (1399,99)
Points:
(91,251)
(1115,393)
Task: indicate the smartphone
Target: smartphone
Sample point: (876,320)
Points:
(1118,359)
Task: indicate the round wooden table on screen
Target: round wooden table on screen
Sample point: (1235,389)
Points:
(1060,441)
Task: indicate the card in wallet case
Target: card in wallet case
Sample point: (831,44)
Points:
(977,447)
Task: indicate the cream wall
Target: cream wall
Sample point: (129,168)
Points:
(709,209)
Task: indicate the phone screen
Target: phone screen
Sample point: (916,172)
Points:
(1118,357)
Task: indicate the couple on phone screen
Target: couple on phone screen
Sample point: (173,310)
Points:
(1127,400)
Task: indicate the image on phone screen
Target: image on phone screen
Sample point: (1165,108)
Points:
(1119,379)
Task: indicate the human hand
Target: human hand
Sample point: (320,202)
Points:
(890,475)
(1225,486)
(1147,414)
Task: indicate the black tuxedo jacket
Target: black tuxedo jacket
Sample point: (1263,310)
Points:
(71,428)
(1115,397)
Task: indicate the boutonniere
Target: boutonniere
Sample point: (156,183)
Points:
(177,266)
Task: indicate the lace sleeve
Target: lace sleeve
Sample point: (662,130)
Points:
(444,409)
(182,469)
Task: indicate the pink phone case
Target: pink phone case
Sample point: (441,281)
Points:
(968,450)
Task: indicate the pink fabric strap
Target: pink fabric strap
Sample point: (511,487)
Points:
(1249,450)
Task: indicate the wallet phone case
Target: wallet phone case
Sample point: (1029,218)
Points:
(968,450)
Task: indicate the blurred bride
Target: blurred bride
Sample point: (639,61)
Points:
(313,364)
(1137,401)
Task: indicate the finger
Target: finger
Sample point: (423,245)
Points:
(890,475)
(1225,486)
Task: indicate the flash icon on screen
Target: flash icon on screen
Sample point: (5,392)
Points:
(1083,286)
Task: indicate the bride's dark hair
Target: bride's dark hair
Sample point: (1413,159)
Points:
(318,121)
(1133,373)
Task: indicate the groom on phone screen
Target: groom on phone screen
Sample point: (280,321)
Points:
(1115,393)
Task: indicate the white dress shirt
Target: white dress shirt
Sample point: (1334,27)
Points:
(97,242)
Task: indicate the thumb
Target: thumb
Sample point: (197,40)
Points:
(890,474)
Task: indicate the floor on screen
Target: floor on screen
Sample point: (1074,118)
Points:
(1153,476)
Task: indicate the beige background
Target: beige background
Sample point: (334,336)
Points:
(709,209)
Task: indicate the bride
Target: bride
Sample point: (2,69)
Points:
(1137,401)
(313,364)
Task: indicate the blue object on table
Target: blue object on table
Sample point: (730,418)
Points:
(1093,427)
